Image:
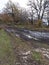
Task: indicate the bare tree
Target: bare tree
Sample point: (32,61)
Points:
(38,7)
(18,15)
(12,10)
(48,17)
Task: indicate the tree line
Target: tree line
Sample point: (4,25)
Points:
(38,10)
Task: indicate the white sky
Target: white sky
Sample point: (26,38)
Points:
(23,3)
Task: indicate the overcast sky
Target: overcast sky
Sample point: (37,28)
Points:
(23,3)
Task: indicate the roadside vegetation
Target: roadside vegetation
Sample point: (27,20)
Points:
(7,56)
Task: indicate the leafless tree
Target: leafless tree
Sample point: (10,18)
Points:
(38,7)
(19,15)
(12,10)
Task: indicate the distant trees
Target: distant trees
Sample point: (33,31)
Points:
(17,15)
(38,8)
(14,14)
(23,16)
(12,11)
